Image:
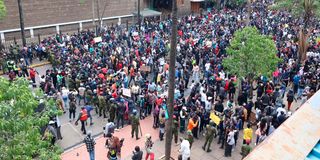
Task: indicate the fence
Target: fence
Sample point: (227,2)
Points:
(36,33)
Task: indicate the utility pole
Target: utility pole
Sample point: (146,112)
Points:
(23,37)
(172,63)
(139,18)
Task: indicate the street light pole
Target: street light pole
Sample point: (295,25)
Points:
(21,23)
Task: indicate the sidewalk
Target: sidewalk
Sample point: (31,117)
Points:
(80,152)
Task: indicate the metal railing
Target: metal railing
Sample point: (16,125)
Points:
(33,38)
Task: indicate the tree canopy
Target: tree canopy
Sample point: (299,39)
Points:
(3,10)
(20,124)
(300,8)
(251,54)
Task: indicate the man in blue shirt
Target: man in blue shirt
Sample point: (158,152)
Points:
(89,108)
(296,80)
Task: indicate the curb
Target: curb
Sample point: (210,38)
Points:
(33,66)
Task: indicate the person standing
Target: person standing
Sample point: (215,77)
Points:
(210,134)
(89,108)
(137,154)
(102,106)
(184,150)
(247,134)
(65,94)
(90,142)
(162,125)
(135,124)
(83,116)
(246,149)
(229,144)
(183,115)
(52,131)
(290,98)
(175,127)
(120,114)
(72,109)
(148,146)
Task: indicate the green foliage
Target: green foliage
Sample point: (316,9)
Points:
(251,54)
(299,7)
(3,10)
(235,3)
(20,124)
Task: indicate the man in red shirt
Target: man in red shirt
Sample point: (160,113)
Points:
(32,73)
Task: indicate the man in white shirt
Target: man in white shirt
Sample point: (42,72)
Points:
(184,149)
(81,90)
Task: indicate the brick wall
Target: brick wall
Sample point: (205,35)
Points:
(43,12)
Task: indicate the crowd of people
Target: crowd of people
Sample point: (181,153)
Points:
(101,73)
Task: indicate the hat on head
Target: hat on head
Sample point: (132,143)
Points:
(51,122)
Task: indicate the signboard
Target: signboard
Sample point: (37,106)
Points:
(126,92)
(97,39)
(145,68)
(215,118)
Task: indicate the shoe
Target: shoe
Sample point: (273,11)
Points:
(91,124)
(203,148)
(137,138)
(209,150)
(131,136)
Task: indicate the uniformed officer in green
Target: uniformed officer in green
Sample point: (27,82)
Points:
(135,124)
(112,111)
(102,106)
(95,100)
(210,134)
(175,127)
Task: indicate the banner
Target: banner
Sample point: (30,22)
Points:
(97,39)
(215,118)
(126,92)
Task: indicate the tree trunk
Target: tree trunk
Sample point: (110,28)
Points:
(172,61)
(23,37)
(139,17)
(303,44)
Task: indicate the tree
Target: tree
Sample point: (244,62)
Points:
(172,61)
(3,10)
(23,36)
(309,10)
(20,124)
(251,54)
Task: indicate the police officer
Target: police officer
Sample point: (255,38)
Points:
(102,106)
(134,124)
(175,128)
(112,111)
(210,134)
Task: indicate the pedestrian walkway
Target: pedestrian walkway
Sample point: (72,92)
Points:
(80,152)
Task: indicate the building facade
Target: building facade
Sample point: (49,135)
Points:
(47,17)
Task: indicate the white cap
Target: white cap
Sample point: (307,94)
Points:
(51,122)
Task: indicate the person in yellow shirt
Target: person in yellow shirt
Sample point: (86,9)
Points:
(247,133)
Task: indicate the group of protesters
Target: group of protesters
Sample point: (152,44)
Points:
(100,73)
